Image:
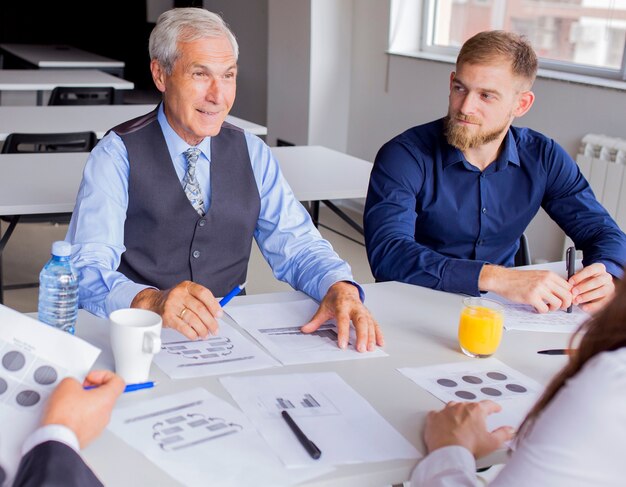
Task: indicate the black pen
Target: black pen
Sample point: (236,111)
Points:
(570,265)
(556,351)
(308,445)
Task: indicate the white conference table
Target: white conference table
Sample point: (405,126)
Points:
(323,174)
(420,327)
(62,56)
(53,179)
(95,118)
(41,80)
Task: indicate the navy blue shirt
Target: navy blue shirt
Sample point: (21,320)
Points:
(433,219)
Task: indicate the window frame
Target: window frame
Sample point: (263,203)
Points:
(426,26)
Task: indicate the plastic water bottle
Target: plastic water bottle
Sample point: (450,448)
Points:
(58,289)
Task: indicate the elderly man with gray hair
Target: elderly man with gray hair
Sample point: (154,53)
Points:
(170,201)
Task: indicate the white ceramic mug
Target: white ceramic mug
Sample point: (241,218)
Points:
(135,339)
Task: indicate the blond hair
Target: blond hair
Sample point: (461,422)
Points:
(489,46)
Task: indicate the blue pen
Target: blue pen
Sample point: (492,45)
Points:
(131,387)
(234,291)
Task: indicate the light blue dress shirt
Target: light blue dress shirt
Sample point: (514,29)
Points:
(284,232)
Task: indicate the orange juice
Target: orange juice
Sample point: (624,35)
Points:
(480,327)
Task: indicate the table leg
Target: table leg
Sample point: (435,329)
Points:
(39,97)
(3,241)
(314,209)
(335,209)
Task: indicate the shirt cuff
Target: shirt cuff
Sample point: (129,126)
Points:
(51,432)
(450,461)
(461,276)
(328,281)
(122,295)
(613,269)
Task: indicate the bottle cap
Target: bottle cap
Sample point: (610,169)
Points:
(60,248)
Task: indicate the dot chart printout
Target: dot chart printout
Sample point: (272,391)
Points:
(477,380)
(34,358)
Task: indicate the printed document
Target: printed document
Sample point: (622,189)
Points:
(276,326)
(35,357)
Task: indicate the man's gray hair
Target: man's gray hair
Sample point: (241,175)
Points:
(185,25)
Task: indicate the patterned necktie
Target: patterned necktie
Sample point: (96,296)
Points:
(190,182)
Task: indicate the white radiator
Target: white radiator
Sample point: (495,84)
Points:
(602,160)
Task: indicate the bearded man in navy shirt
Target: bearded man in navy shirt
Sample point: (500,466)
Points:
(448,200)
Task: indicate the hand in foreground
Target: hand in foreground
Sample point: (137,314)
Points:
(188,307)
(593,287)
(342,302)
(86,413)
(463,424)
(544,290)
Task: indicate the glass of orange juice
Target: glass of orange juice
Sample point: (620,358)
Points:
(480,327)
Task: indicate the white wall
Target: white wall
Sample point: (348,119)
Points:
(417,92)
(329,102)
(289,55)
(249,22)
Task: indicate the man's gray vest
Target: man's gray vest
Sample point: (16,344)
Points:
(166,240)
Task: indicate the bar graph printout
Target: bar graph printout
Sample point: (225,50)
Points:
(227,352)
(199,439)
(276,326)
(524,317)
(343,425)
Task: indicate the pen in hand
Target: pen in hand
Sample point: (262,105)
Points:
(130,387)
(570,265)
(233,292)
(308,445)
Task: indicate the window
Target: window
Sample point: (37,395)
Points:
(578,36)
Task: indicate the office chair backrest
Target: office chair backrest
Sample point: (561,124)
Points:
(522,257)
(17,143)
(69,95)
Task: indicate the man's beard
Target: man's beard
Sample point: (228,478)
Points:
(459,136)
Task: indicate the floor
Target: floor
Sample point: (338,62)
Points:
(29,249)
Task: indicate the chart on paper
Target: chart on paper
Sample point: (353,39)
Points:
(199,439)
(524,317)
(297,403)
(479,380)
(343,425)
(25,379)
(228,352)
(277,326)
(34,358)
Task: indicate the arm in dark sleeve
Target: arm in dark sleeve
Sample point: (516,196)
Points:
(570,202)
(53,464)
(389,220)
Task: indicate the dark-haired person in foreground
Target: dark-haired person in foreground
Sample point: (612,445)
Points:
(73,418)
(575,436)
(449,200)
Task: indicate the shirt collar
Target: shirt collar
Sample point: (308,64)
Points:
(175,144)
(451,155)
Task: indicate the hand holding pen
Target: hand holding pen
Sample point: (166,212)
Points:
(570,266)
(189,308)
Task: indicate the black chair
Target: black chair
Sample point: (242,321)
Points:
(55,142)
(18,143)
(69,95)
(522,257)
